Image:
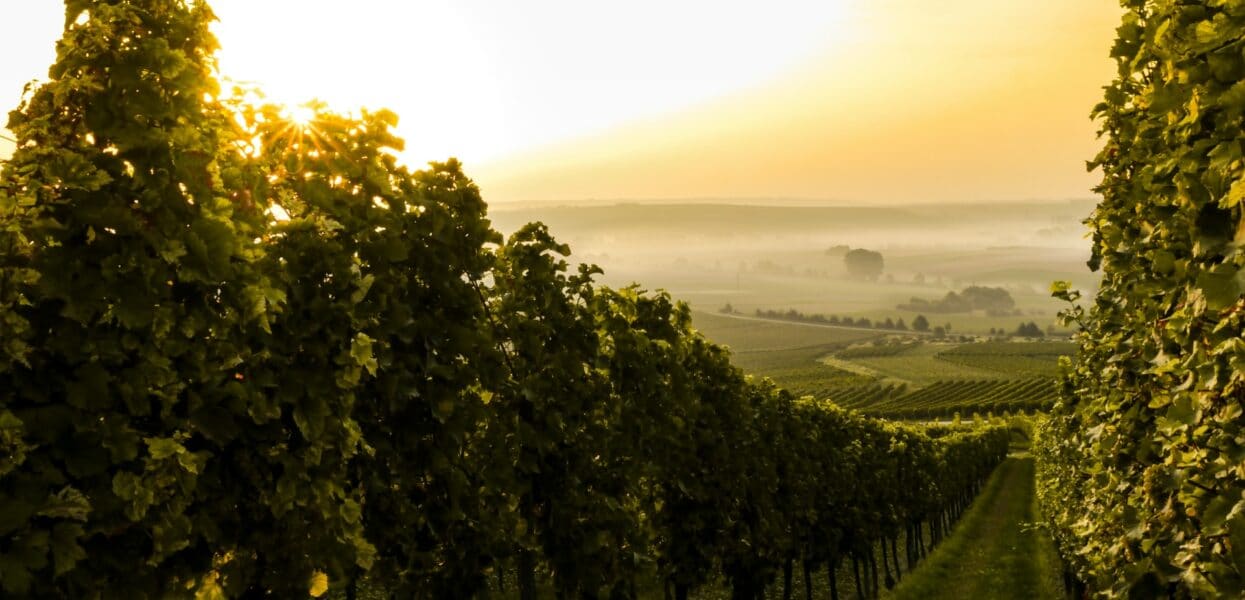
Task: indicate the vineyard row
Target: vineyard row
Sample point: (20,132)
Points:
(943,399)
(245,356)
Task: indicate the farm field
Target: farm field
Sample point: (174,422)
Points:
(800,370)
(1020,359)
(892,375)
(746,334)
(920,365)
(788,353)
(890,348)
(945,398)
(937,380)
(864,396)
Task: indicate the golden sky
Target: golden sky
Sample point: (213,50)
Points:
(858,101)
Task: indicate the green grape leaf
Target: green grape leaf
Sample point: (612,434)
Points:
(1219,286)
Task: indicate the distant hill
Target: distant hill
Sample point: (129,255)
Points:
(1054,220)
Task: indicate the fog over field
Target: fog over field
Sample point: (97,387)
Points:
(791,257)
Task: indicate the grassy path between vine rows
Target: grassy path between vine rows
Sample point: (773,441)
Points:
(995,552)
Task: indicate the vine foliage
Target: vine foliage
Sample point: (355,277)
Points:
(1140,465)
(244,356)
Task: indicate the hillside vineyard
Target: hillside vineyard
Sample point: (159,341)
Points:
(202,397)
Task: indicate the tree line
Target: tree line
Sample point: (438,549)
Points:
(844,321)
(995,301)
(246,356)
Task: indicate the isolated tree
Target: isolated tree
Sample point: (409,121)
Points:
(864,264)
(920,323)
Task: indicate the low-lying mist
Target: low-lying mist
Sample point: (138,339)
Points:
(792,257)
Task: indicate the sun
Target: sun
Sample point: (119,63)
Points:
(302,115)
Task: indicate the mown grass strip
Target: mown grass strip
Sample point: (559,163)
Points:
(995,552)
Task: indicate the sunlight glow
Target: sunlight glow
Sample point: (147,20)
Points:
(303,115)
(871,100)
(483,79)
(278,213)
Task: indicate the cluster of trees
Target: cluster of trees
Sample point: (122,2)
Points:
(1139,465)
(199,396)
(845,321)
(994,301)
(920,323)
(863,264)
(1029,330)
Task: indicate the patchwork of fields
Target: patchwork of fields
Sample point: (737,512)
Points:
(891,375)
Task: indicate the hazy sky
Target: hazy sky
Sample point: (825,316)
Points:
(850,100)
